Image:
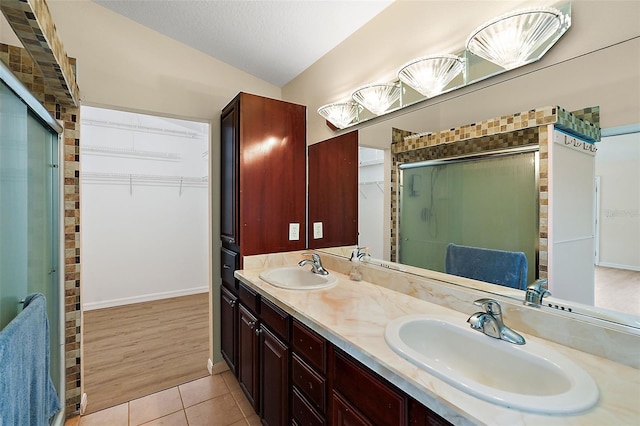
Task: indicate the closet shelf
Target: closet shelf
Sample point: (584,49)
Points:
(126,152)
(127,178)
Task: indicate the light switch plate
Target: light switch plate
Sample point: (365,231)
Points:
(317,230)
(294,231)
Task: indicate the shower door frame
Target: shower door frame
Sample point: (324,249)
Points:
(48,121)
(533,148)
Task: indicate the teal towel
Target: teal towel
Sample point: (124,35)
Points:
(27,395)
(507,268)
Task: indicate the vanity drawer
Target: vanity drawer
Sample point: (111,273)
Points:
(301,412)
(309,382)
(229,261)
(371,394)
(275,318)
(249,298)
(311,346)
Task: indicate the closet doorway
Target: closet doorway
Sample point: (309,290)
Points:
(145,253)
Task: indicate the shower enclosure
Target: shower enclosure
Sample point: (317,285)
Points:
(30,214)
(489,202)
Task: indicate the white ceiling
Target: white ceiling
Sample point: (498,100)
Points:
(272,40)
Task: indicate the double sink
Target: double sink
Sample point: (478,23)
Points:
(532,377)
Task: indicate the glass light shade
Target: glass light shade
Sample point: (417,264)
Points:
(340,114)
(429,75)
(511,40)
(377,98)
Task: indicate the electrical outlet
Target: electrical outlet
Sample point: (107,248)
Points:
(317,230)
(294,231)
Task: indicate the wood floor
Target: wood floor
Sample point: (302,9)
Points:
(135,350)
(618,290)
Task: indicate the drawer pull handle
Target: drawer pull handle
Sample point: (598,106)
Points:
(226,266)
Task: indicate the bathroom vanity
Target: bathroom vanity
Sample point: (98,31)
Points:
(344,372)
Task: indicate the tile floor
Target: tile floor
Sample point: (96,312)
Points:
(211,401)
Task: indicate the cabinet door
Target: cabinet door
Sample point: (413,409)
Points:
(274,368)
(248,361)
(229,176)
(333,191)
(344,414)
(229,327)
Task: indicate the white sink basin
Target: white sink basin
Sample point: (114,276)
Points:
(530,377)
(297,278)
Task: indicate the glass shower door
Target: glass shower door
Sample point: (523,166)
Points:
(490,203)
(29,206)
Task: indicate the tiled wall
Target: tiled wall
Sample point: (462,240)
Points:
(31,21)
(520,129)
(21,64)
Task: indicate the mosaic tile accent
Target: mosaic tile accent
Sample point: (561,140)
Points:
(584,122)
(520,129)
(33,24)
(506,124)
(21,64)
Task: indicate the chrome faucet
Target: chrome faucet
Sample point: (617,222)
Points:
(535,292)
(490,322)
(316,264)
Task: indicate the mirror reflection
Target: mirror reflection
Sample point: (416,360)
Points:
(617,226)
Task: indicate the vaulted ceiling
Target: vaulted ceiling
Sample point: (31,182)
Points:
(272,40)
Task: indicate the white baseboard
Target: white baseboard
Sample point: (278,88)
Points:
(618,266)
(143,298)
(83,403)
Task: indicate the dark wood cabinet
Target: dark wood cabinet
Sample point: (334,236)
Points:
(308,376)
(229,178)
(333,191)
(345,414)
(229,327)
(274,368)
(229,309)
(263,175)
(375,399)
(248,355)
(419,415)
(274,364)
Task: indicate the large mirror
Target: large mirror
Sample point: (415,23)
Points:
(576,73)
(617,258)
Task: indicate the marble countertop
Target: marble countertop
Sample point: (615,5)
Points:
(353,316)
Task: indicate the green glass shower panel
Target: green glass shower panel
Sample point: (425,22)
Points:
(29,206)
(13,204)
(490,202)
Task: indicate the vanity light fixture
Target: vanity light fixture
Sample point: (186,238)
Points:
(377,98)
(340,114)
(429,75)
(509,41)
(513,40)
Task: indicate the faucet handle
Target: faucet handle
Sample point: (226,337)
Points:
(314,256)
(536,291)
(491,306)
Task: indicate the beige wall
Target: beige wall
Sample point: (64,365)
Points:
(125,65)
(575,73)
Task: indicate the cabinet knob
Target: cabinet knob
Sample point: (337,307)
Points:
(251,324)
(258,331)
(231,302)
